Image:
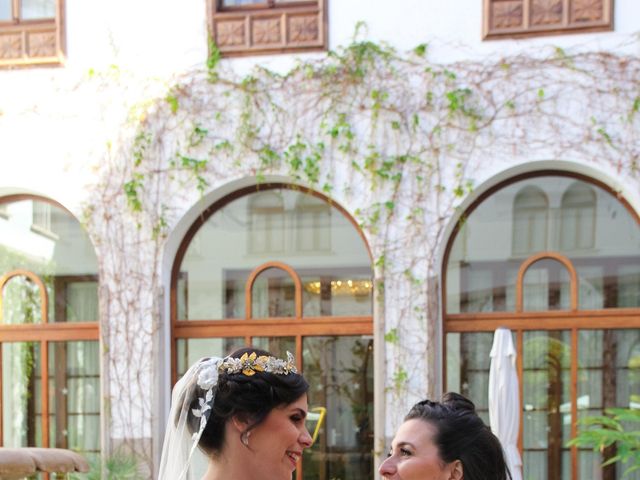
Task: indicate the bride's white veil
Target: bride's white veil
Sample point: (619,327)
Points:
(181,442)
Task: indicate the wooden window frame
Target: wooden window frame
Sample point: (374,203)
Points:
(297,326)
(43,333)
(519,321)
(522,10)
(47,334)
(268,27)
(35,42)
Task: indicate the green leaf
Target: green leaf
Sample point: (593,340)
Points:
(392,336)
(172,100)
(420,50)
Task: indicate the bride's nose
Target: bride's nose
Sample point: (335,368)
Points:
(305,438)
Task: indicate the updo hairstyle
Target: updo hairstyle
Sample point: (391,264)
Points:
(462,435)
(250,398)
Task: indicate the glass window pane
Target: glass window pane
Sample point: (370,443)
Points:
(289,226)
(338,294)
(628,282)
(21,302)
(591,293)
(37,9)
(5,10)
(21,397)
(277,346)
(190,350)
(273,295)
(578,219)
(74,375)
(546,390)
(608,376)
(530,225)
(340,372)
(80,299)
(49,242)
(546,286)
(468,363)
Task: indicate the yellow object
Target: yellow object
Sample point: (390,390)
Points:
(316,414)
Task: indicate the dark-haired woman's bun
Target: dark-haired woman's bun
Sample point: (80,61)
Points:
(458,402)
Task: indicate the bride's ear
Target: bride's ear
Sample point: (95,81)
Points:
(239,423)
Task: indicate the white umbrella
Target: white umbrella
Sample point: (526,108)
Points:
(504,398)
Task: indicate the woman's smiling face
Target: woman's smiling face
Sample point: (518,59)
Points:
(278,441)
(415,456)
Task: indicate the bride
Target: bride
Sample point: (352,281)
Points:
(245,412)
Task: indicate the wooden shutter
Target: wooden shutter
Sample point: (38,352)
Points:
(515,18)
(269,27)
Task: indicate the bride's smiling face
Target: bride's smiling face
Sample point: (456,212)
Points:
(277,442)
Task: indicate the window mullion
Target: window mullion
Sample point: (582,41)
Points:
(574,401)
(15,6)
(44,388)
(1,399)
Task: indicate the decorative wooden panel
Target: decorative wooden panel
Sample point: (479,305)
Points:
(268,28)
(266,31)
(515,18)
(546,12)
(42,44)
(303,29)
(231,33)
(587,10)
(10,46)
(507,14)
(33,42)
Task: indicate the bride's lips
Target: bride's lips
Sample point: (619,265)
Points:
(294,457)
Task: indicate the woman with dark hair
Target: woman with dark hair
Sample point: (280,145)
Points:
(245,412)
(445,440)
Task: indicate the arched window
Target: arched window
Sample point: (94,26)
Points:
(578,217)
(574,313)
(266,223)
(313,217)
(315,302)
(50,382)
(530,221)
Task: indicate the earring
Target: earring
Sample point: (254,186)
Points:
(244,438)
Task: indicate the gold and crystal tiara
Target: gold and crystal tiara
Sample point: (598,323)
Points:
(249,364)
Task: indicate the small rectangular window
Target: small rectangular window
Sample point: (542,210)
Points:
(31,32)
(240,27)
(42,220)
(516,18)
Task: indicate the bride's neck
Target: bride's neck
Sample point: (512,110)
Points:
(225,470)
